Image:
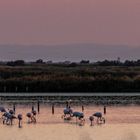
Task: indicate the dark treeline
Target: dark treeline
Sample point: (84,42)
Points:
(82,62)
(118,63)
(39,76)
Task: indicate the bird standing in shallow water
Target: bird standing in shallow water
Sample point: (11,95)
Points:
(19,120)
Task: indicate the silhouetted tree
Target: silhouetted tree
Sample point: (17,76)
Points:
(39,61)
(85,62)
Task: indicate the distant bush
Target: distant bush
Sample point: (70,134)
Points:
(16,63)
(85,62)
(39,61)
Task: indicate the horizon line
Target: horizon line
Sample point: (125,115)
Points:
(68,43)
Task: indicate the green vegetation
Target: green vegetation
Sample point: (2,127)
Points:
(42,77)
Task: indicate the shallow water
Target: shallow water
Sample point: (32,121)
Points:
(122,123)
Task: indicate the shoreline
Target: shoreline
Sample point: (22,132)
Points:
(76,98)
(71,94)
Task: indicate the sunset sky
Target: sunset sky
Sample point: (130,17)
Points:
(69,21)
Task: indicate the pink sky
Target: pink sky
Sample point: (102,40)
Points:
(66,21)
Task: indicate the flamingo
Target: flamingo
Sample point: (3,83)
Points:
(67,113)
(2,109)
(91,118)
(8,118)
(80,116)
(11,112)
(31,117)
(100,118)
(20,119)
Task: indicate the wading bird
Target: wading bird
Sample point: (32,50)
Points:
(80,116)
(31,117)
(2,109)
(67,113)
(19,120)
(8,118)
(100,118)
(91,118)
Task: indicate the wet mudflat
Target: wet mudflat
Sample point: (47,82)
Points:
(122,123)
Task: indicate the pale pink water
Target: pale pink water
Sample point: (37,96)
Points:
(122,123)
